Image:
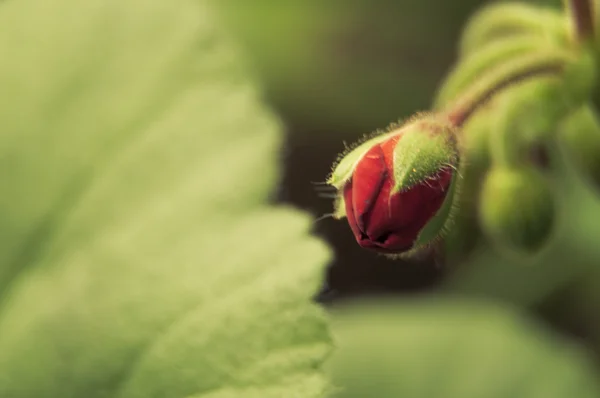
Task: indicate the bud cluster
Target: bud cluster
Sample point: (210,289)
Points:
(520,83)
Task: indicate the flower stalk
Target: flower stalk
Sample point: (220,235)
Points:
(519,70)
(582,15)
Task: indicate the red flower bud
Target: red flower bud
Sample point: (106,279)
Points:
(398,186)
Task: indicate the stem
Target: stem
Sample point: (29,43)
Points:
(583,18)
(495,20)
(499,79)
(489,57)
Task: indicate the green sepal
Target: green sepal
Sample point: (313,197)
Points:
(339,206)
(343,169)
(439,224)
(517,208)
(509,20)
(427,146)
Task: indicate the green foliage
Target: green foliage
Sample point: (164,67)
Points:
(453,348)
(137,255)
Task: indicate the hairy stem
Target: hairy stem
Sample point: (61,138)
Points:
(499,79)
(582,13)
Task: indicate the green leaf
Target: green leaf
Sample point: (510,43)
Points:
(454,348)
(138,257)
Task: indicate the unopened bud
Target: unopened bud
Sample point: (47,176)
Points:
(394,189)
(579,136)
(517,208)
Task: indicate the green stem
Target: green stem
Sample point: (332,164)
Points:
(471,68)
(508,20)
(543,64)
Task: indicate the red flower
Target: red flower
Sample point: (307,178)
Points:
(382,219)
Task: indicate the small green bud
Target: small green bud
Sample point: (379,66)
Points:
(517,208)
(580,76)
(526,115)
(579,138)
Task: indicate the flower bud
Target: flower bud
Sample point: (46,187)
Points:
(517,208)
(579,137)
(394,188)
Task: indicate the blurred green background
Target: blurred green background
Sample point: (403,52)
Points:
(141,260)
(335,70)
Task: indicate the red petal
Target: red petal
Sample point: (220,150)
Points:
(378,221)
(387,148)
(367,180)
(412,210)
(350,211)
